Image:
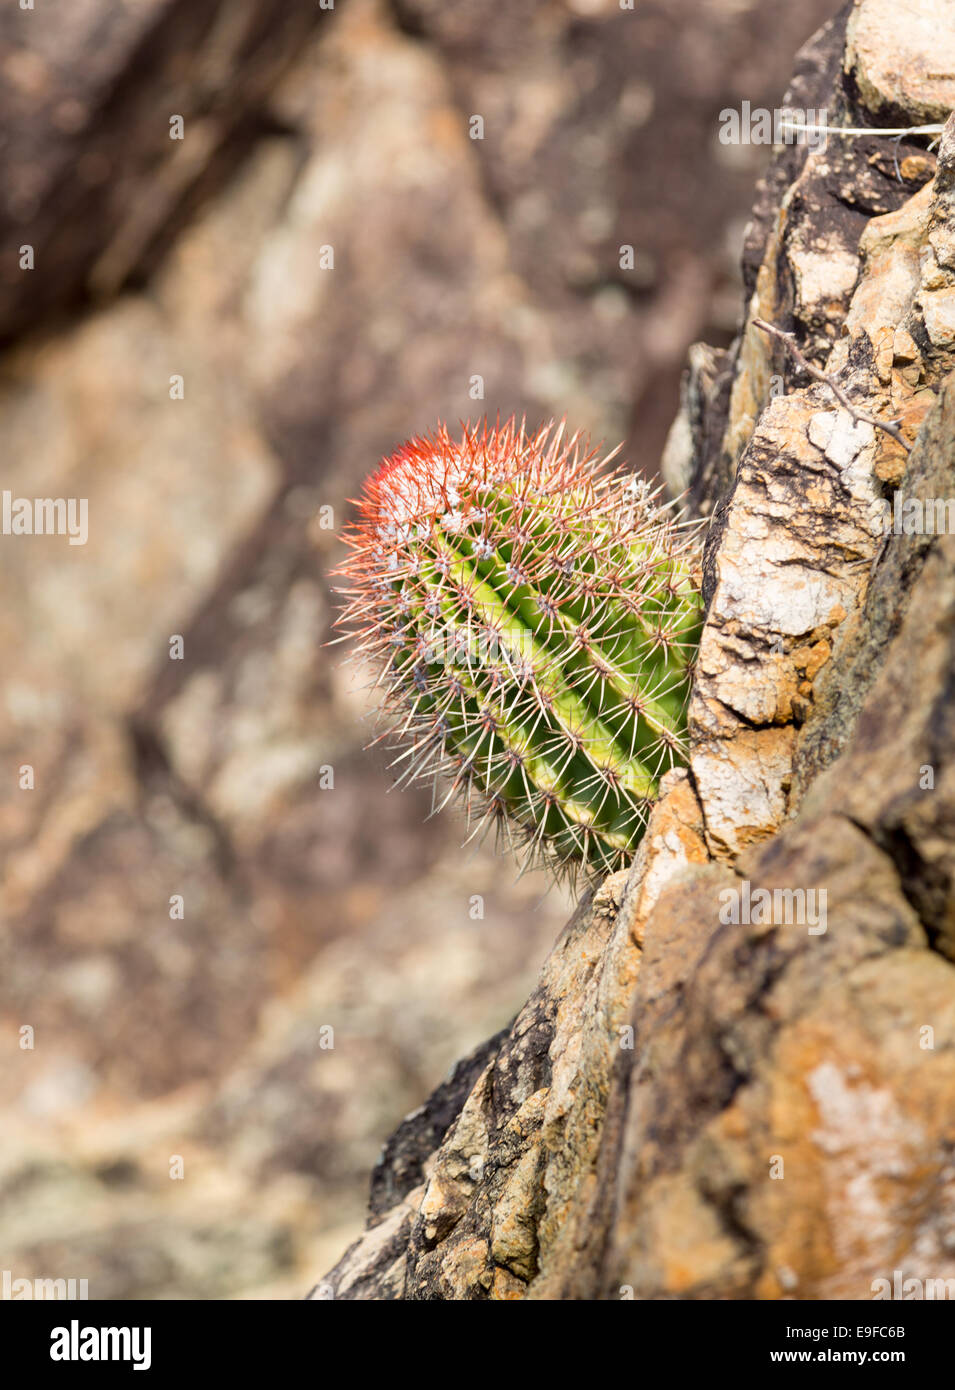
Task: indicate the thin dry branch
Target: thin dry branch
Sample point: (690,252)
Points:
(891,427)
(893,131)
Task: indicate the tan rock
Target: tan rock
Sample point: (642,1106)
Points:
(887,48)
(778,1120)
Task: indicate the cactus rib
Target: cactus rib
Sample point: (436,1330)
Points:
(532,614)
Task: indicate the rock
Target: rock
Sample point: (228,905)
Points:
(584,104)
(789,561)
(97,179)
(735,1078)
(494,1214)
(213,511)
(886,46)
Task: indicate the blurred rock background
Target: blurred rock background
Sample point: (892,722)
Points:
(307,908)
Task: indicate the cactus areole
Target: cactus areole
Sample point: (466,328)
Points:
(532,615)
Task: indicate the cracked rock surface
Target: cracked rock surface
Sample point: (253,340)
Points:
(308,906)
(706,1096)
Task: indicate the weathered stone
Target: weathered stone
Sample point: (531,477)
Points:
(206,1037)
(500,1188)
(97,179)
(779,1122)
(887,60)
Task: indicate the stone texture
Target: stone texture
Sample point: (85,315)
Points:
(779,1121)
(820,1044)
(494,1216)
(885,59)
(305,906)
(789,559)
(92,180)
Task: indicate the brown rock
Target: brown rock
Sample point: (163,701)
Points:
(97,179)
(782,1124)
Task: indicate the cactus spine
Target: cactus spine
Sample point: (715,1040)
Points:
(533,616)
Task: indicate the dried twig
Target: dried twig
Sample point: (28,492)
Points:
(891,427)
(861,130)
(898,134)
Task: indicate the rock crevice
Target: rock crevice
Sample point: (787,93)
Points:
(736,1075)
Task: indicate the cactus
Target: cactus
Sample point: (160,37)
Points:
(533,616)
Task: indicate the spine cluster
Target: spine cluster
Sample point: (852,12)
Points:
(532,615)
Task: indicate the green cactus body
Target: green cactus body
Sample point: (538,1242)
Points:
(533,616)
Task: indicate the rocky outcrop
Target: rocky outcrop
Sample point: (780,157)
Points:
(184,356)
(98,175)
(737,1073)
